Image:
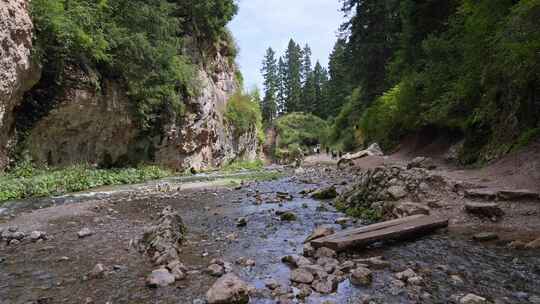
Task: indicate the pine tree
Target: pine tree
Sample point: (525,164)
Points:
(306,64)
(320,78)
(338,86)
(282,91)
(293,81)
(271,86)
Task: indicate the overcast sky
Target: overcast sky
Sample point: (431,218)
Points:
(263,23)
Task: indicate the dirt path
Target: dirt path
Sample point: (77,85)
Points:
(56,270)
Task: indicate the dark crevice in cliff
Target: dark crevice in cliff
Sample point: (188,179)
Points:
(38,101)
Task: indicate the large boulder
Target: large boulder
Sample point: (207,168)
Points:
(18,72)
(229,289)
(162,241)
(372,150)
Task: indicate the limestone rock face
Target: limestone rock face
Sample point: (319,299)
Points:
(87,124)
(17,71)
(91,120)
(204,139)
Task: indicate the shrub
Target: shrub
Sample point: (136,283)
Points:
(243,113)
(298,131)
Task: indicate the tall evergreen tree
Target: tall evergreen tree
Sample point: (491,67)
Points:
(320,78)
(271,86)
(306,63)
(338,86)
(282,90)
(293,81)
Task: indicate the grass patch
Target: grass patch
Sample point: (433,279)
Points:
(27,182)
(243,165)
(367,214)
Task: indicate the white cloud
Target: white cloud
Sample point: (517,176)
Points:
(264,23)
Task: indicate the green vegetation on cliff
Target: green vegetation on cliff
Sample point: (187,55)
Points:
(139,42)
(244,114)
(26,181)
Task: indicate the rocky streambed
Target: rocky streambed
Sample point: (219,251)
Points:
(254,232)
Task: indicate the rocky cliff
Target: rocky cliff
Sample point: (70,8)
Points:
(17,71)
(87,118)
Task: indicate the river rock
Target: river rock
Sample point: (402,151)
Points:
(85,232)
(288,216)
(229,289)
(37,235)
(325,193)
(325,252)
(361,276)
(164,239)
(308,250)
(327,285)
(296,261)
(271,284)
(374,262)
(343,220)
(421,162)
(160,278)
(301,275)
(98,271)
(406,274)
(215,270)
(241,222)
(397,192)
(485,236)
(409,209)
(347,266)
(329,264)
(534,244)
(320,232)
(472,299)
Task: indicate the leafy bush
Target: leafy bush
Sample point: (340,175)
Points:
(24,182)
(244,114)
(297,132)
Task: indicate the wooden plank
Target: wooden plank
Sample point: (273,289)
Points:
(374,227)
(422,225)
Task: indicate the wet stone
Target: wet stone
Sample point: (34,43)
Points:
(361,276)
(327,285)
(98,271)
(320,232)
(85,232)
(325,252)
(472,299)
(271,284)
(302,275)
(160,278)
(288,216)
(229,289)
(215,270)
(241,222)
(485,237)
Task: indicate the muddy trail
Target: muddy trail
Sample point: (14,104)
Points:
(59,269)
